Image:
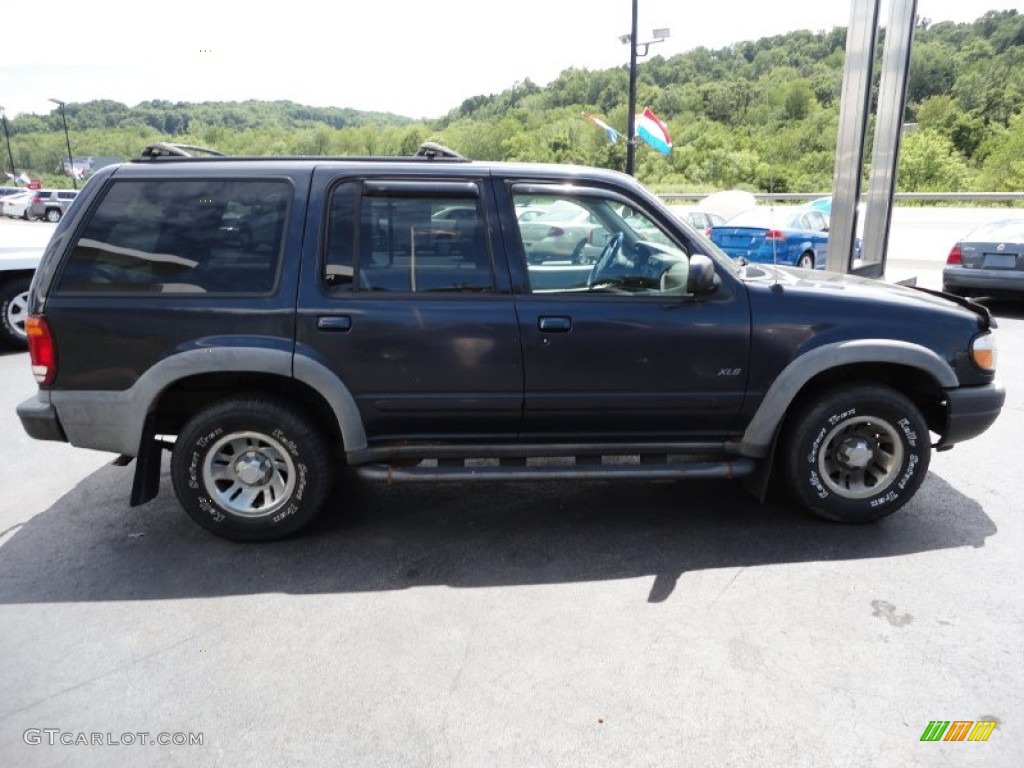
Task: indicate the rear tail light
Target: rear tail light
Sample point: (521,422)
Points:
(774,234)
(955,256)
(707,233)
(41,350)
(37,198)
(555,232)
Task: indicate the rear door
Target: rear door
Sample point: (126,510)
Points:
(410,304)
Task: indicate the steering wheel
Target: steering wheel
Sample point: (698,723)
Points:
(605,259)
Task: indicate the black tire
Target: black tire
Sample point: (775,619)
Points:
(856,454)
(577,253)
(13,312)
(53,215)
(288,467)
(806,260)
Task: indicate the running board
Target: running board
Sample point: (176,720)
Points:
(504,471)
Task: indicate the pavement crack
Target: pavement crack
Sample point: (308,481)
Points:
(102,675)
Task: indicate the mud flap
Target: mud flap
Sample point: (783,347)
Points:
(147,469)
(757,483)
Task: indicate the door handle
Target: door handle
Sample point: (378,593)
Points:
(339,323)
(555,324)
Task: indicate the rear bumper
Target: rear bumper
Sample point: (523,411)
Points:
(971,411)
(39,419)
(1000,281)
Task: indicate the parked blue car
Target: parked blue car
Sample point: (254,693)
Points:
(772,236)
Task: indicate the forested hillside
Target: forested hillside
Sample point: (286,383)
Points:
(759,115)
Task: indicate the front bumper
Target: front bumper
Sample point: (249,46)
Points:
(39,418)
(971,410)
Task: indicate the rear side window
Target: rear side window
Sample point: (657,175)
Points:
(397,239)
(188,236)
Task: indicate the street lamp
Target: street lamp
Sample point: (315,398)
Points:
(71,160)
(3,116)
(635,51)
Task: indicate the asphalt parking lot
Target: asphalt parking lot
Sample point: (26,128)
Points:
(613,623)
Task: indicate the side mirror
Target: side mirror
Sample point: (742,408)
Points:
(702,278)
(599,236)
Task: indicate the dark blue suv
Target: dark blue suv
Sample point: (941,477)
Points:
(271,320)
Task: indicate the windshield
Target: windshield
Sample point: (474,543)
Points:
(1008,229)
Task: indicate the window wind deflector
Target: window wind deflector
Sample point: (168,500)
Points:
(567,190)
(421,189)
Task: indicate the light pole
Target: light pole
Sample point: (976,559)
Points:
(67,138)
(635,52)
(3,116)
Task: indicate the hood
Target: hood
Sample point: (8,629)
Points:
(862,288)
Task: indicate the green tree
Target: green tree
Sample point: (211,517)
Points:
(930,163)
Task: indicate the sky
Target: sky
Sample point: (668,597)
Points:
(413,58)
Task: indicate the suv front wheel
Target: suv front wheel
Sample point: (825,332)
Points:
(856,454)
(251,469)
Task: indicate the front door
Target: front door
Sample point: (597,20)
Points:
(614,344)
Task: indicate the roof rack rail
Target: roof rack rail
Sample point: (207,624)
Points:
(432,150)
(167,149)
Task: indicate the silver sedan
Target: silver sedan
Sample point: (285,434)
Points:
(989,261)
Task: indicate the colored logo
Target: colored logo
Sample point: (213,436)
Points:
(958,730)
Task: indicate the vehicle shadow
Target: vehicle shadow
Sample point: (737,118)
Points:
(377,537)
(1004,307)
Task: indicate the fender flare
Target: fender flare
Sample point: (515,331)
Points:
(760,432)
(115,420)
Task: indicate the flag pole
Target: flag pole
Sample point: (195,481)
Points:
(7,136)
(631,126)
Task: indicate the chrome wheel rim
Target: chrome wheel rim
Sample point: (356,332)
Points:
(860,457)
(249,474)
(17,312)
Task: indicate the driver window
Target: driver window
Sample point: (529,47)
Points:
(585,244)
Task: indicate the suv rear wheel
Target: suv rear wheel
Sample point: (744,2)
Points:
(251,469)
(856,454)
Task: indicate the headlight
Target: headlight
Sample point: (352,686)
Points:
(983,352)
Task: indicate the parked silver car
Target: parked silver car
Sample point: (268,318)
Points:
(988,261)
(52,204)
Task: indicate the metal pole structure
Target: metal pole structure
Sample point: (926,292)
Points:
(853,123)
(67,138)
(892,102)
(631,127)
(7,135)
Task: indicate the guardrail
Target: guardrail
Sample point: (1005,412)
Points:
(966,197)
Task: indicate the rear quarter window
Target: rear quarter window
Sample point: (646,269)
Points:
(181,236)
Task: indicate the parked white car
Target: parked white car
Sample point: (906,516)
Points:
(17,206)
(21,248)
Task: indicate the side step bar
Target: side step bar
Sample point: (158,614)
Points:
(694,469)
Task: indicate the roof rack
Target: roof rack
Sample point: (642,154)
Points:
(167,149)
(432,150)
(162,150)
